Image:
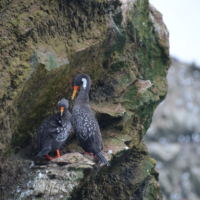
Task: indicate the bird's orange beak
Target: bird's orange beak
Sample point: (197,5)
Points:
(74,93)
(61,110)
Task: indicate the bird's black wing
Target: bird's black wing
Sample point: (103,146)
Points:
(59,128)
(49,130)
(42,132)
(85,125)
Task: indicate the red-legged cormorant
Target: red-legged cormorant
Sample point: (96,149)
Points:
(55,130)
(84,122)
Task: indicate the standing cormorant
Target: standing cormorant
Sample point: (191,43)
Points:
(83,119)
(55,130)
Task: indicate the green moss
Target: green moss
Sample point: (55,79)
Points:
(147,111)
(114,55)
(142,103)
(33,59)
(149,52)
(122,180)
(119,43)
(152,190)
(117,66)
(40,101)
(118,18)
(132,98)
(80,174)
(52,63)
(127,78)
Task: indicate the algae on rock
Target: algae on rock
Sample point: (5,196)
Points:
(123,46)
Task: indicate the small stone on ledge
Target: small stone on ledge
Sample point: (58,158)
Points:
(72,158)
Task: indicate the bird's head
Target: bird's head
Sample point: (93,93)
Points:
(63,105)
(81,79)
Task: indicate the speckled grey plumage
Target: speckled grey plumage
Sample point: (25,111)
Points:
(84,122)
(55,130)
(87,129)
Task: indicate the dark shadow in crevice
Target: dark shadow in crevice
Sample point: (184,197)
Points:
(106,120)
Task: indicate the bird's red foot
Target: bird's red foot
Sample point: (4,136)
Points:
(49,158)
(95,156)
(58,154)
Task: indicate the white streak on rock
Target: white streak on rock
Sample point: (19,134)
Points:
(110,151)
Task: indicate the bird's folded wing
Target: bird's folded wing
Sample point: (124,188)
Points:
(55,127)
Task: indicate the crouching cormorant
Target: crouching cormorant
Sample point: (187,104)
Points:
(55,130)
(83,119)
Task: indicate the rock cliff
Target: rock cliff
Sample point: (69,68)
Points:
(123,46)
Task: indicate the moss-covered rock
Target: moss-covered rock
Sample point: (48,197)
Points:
(123,46)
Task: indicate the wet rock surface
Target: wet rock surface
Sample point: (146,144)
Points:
(174,136)
(123,46)
(53,179)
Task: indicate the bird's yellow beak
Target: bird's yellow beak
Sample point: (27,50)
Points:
(74,93)
(61,110)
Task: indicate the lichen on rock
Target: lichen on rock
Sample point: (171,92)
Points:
(123,46)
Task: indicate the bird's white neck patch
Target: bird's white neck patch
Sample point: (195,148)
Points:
(84,83)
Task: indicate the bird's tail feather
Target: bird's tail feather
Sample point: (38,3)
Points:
(43,152)
(101,158)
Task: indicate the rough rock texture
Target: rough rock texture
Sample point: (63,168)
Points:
(124,48)
(174,136)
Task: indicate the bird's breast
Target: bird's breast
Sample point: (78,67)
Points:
(84,124)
